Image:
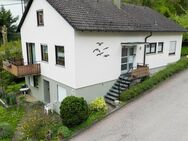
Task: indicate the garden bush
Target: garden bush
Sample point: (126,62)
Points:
(64,132)
(73,111)
(36,124)
(184,51)
(98,105)
(154,80)
(10,99)
(6,130)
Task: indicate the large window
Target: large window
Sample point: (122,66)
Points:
(172,49)
(44,52)
(60,55)
(40,18)
(151,48)
(160,47)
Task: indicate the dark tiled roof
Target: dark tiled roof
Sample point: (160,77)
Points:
(90,15)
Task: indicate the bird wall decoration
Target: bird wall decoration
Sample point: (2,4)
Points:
(105,48)
(101,50)
(98,50)
(99,43)
(107,55)
(100,54)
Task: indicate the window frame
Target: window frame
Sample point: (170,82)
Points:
(36,81)
(39,23)
(56,55)
(150,48)
(161,51)
(173,53)
(42,53)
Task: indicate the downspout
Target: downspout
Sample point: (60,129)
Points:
(146,46)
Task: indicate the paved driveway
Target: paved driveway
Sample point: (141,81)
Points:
(161,115)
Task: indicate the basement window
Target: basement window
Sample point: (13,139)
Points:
(151,48)
(60,55)
(172,49)
(40,18)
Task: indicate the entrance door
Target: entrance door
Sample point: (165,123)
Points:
(31,57)
(127,58)
(46,91)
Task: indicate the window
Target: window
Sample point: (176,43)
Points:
(61,93)
(60,56)
(151,48)
(40,18)
(172,49)
(160,47)
(44,53)
(33,81)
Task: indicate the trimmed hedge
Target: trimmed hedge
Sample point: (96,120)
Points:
(154,80)
(74,111)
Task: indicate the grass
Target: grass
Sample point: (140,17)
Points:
(184,51)
(93,117)
(12,116)
(154,80)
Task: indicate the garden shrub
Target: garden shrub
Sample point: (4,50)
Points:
(184,51)
(154,80)
(36,124)
(73,111)
(64,132)
(98,105)
(10,99)
(6,130)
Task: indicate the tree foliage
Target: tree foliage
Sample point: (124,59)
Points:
(176,10)
(6,18)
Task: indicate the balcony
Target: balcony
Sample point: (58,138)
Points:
(20,69)
(140,72)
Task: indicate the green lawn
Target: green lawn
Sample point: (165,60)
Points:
(184,51)
(11,116)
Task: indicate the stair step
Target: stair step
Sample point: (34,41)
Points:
(124,79)
(121,85)
(115,91)
(118,88)
(111,97)
(113,94)
(109,102)
(123,82)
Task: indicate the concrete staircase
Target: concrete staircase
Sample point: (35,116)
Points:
(121,84)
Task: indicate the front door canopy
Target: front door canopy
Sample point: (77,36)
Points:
(135,43)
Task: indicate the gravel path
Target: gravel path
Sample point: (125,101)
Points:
(160,115)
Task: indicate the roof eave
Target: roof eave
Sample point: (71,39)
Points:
(24,15)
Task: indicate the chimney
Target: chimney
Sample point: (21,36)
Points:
(117,3)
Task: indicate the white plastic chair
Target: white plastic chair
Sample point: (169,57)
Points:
(48,107)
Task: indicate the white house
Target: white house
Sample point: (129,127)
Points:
(83,46)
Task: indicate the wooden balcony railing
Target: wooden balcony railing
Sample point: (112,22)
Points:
(19,69)
(140,72)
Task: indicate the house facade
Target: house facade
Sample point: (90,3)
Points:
(83,54)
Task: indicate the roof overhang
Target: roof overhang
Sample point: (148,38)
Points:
(24,15)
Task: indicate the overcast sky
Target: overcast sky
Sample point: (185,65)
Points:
(14,6)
